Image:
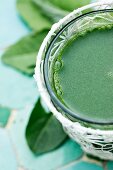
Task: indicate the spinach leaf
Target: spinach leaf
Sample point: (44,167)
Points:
(50,10)
(69,5)
(44,132)
(22,55)
(32,15)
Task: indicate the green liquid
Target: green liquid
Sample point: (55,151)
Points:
(85,81)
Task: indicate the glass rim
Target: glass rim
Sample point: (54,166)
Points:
(53,97)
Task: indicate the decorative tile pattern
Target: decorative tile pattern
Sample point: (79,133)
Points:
(7,155)
(82,166)
(69,152)
(16,90)
(109,165)
(20,89)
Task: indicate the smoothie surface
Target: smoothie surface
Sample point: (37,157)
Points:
(86,76)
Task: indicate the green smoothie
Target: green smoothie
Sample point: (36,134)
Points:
(83,75)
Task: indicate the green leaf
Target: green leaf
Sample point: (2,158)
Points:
(32,15)
(44,132)
(50,10)
(22,55)
(70,5)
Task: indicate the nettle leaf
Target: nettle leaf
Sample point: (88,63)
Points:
(69,5)
(22,55)
(50,10)
(32,15)
(44,132)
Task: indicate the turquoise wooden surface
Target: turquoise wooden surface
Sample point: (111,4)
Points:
(19,93)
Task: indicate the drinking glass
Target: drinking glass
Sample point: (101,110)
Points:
(95,136)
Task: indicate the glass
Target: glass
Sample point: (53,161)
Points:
(80,24)
(95,137)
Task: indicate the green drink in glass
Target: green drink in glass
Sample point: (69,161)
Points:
(83,75)
(76,78)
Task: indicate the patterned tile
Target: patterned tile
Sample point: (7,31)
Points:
(109,165)
(69,152)
(21,90)
(7,155)
(82,166)
(16,90)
